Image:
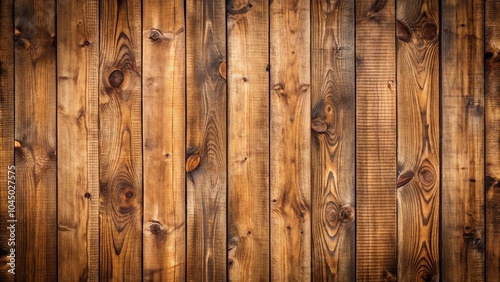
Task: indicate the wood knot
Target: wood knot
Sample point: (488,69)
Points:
(331,214)
(429,31)
(426,175)
(86,43)
(403,32)
(154,35)
(116,78)
(473,238)
(155,228)
(346,213)
(404,178)
(222,69)
(193,161)
(87,195)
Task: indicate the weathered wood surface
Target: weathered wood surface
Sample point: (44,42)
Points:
(418,139)
(492,137)
(248,140)
(333,142)
(290,138)
(120,141)
(206,140)
(77,140)
(375,141)
(462,111)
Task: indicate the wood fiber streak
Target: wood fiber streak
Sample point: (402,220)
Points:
(248,140)
(120,152)
(35,130)
(77,140)
(6,132)
(376,141)
(492,137)
(333,143)
(206,138)
(462,152)
(290,134)
(418,139)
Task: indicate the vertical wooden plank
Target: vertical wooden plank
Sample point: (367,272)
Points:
(290,138)
(418,139)
(77,132)
(462,85)
(35,119)
(248,140)
(376,141)
(492,136)
(206,140)
(333,142)
(164,140)
(120,144)
(7,169)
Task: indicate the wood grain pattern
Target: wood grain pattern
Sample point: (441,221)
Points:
(6,134)
(376,141)
(332,146)
(35,130)
(77,140)
(120,141)
(164,140)
(462,110)
(248,140)
(290,138)
(206,138)
(492,139)
(418,139)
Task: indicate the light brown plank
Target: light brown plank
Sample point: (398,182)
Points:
(462,152)
(206,140)
(164,141)
(333,143)
(290,140)
(492,137)
(376,141)
(77,132)
(120,141)
(35,130)
(248,140)
(418,139)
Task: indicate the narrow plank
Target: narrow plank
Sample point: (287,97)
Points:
(375,141)
(248,140)
(290,140)
(77,140)
(462,152)
(333,143)
(120,141)
(164,140)
(492,137)
(7,169)
(418,139)
(206,140)
(35,131)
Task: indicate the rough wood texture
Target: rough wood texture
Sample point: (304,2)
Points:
(290,134)
(120,152)
(164,140)
(35,130)
(248,140)
(418,139)
(376,141)
(6,133)
(462,85)
(492,149)
(206,140)
(333,158)
(77,132)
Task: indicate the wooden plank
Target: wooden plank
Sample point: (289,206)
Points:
(290,139)
(375,141)
(77,140)
(7,168)
(333,143)
(248,140)
(462,152)
(120,142)
(492,137)
(35,131)
(164,140)
(418,139)
(206,140)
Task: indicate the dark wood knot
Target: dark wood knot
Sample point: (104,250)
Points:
(404,178)
(429,31)
(156,228)
(403,32)
(346,213)
(116,78)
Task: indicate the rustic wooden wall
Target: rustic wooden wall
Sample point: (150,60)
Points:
(283,140)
